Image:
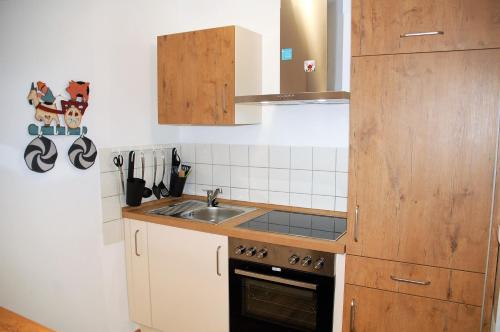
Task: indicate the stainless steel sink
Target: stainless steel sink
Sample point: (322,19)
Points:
(198,211)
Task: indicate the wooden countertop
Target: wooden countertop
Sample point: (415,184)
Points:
(12,322)
(229,228)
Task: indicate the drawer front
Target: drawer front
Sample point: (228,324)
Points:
(395,26)
(433,282)
(372,310)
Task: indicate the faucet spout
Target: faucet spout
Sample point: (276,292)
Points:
(212,197)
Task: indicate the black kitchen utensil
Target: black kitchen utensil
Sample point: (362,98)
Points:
(176,160)
(135,186)
(176,184)
(161,185)
(155,188)
(118,161)
(147,192)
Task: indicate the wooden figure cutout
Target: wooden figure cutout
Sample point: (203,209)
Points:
(73,112)
(79,90)
(43,112)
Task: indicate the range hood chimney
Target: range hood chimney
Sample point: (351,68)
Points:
(310,54)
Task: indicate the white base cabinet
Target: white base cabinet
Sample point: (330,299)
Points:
(136,256)
(179,281)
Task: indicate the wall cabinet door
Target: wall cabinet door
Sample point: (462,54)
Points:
(379,27)
(189,280)
(200,72)
(423,135)
(136,255)
(372,310)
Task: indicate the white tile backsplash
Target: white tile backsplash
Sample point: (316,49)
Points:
(203,174)
(259,156)
(188,153)
(324,159)
(301,157)
(342,160)
(239,155)
(259,178)
(323,202)
(239,177)
(300,181)
(341,184)
(221,176)
(300,200)
(279,198)
(279,180)
(203,154)
(323,183)
(220,154)
(279,157)
(259,196)
(341,204)
(284,175)
(240,194)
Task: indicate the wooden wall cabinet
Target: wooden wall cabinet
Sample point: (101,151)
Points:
(379,26)
(200,73)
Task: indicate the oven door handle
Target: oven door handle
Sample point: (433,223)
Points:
(278,280)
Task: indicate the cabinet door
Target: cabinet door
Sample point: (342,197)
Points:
(136,255)
(196,77)
(372,310)
(379,26)
(423,135)
(189,280)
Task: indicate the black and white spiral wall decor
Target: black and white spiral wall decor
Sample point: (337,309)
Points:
(82,153)
(40,155)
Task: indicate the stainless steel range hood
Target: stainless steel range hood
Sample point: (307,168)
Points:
(310,59)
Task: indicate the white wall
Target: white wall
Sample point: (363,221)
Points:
(54,267)
(319,125)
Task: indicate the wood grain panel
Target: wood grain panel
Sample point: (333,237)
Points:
(445,284)
(12,322)
(377,310)
(194,69)
(423,134)
(467,24)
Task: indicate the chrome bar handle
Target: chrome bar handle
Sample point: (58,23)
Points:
(419,34)
(135,236)
(416,282)
(217,261)
(352,316)
(224,101)
(356,220)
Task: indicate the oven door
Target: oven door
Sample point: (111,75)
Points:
(265,298)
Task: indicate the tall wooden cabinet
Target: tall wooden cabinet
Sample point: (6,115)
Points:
(423,148)
(200,73)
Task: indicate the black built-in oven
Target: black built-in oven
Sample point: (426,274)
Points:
(278,288)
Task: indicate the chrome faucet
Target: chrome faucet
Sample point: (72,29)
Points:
(212,196)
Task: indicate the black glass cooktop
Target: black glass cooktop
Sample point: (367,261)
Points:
(292,223)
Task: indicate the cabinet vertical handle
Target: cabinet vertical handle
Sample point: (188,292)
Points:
(356,220)
(135,236)
(352,316)
(217,260)
(418,34)
(224,101)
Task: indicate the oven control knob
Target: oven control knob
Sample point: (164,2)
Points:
(251,251)
(294,259)
(319,264)
(239,250)
(262,253)
(306,261)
